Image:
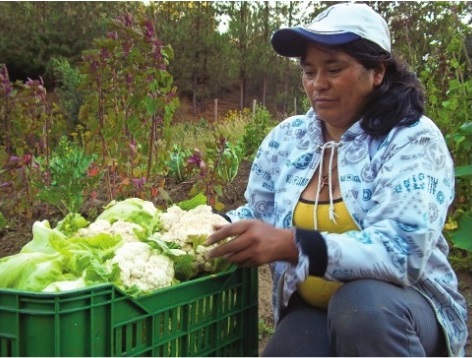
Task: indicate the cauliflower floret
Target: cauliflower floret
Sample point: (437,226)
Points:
(202,263)
(181,225)
(95,228)
(143,267)
(126,230)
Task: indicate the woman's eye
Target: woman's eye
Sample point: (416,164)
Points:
(309,74)
(335,70)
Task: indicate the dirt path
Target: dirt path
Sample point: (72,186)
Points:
(266,318)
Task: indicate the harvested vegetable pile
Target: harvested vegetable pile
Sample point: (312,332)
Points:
(131,244)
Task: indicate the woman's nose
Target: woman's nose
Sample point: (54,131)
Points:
(319,82)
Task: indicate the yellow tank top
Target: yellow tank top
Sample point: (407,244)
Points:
(315,290)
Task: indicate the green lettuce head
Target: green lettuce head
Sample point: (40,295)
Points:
(134,210)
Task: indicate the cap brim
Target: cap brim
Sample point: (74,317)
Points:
(291,42)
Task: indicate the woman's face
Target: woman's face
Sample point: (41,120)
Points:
(338,86)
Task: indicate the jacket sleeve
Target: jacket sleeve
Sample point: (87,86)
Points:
(260,192)
(402,230)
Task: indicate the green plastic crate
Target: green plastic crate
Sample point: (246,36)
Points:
(216,315)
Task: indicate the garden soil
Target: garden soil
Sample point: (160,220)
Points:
(18,233)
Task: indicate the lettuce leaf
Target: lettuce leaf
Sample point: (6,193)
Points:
(42,233)
(184,265)
(31,271)
(71,223)
(134,210)
(53,261)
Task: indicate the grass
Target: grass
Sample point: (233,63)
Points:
(266,329)
(190,135)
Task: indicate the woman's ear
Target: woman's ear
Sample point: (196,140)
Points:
(379,74)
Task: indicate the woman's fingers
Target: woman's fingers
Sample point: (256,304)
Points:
(224,231)
(242,259)
(229,248)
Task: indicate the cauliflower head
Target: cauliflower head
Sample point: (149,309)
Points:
(189,229)
(95,228)
(128,231)
(143,268)
(182,226)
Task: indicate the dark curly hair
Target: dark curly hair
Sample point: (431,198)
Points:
(399,100)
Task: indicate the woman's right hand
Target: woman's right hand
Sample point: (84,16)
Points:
(254,243)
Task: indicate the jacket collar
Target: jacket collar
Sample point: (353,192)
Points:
(352,133)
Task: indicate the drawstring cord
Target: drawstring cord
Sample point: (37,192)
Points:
(332,215)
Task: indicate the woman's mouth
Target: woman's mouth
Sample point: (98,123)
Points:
(324,102)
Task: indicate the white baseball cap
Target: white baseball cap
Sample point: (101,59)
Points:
(337,25)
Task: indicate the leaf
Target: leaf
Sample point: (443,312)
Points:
(199,199)
(71,223)
(167,51)
(134,210)
(165,196)
(461,237)
(151,105)
(218,206)
(463,171)
(466,128)
(30,270)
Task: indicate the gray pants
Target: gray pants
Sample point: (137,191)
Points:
(364,318)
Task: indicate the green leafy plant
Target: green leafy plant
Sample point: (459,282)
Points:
(460,141)
(256,130)
(446,75)
(62,183)
(230,160)
(265,329)
(459,225)
(177,165)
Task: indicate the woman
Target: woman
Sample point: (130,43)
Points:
(347,204)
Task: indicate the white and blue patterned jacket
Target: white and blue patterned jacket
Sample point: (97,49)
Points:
(397,189)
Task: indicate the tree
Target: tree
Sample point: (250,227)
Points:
(190,28)
(34,32)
